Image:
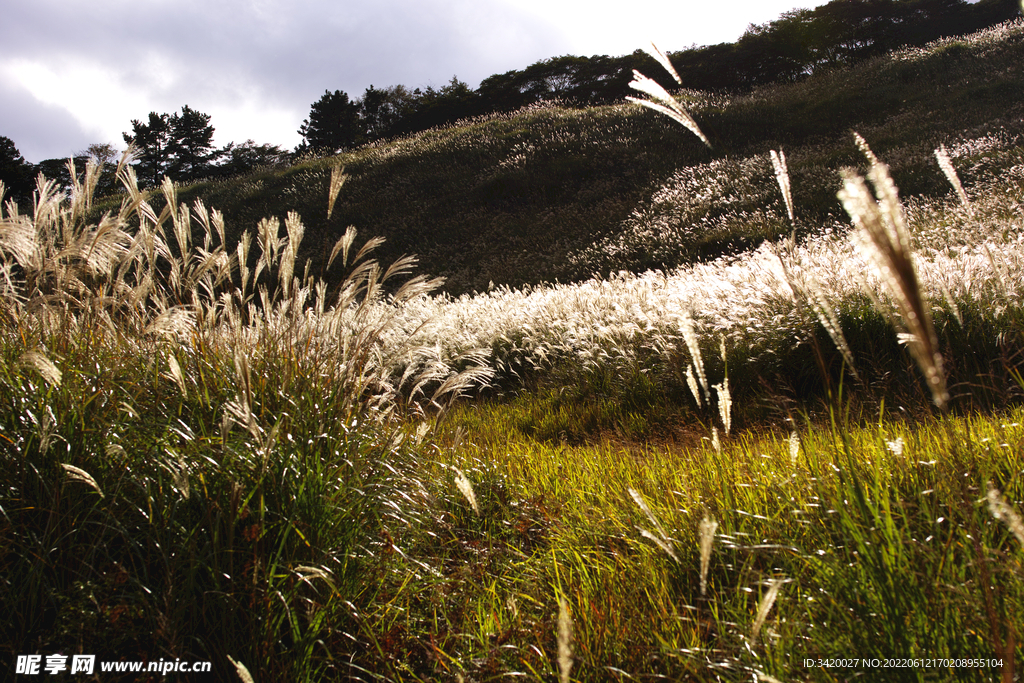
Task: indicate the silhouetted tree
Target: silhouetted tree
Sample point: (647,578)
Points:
(152,142)
(16,173)
(333,124)
(106,156)
(248,156)
(178,145)
(191,145)
(449,103)
(387,112)
(57,170)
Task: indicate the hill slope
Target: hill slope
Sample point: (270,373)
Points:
(541,194)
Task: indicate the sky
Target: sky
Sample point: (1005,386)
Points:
(77,72)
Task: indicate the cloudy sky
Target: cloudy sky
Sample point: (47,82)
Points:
(76,72)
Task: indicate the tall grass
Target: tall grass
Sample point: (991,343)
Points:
(199,442)
(857,545)
(627,336)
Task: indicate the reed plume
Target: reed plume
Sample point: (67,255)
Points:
(883,239)
(707,538)
(661,101)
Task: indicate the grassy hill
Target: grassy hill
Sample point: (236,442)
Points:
(768,459)
(523,198)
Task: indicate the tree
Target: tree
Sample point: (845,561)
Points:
(387,112)
(191,144)
(333,124)
(105,155)
(178,145)
(151,141)
(15,173)
(248,156)
(450,103)
(57,170)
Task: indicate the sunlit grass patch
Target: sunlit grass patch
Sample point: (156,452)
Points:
(843,526)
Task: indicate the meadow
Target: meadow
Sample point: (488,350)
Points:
(768,435)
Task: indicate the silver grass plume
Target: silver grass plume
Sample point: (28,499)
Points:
(45,432)
(724,396)
(242,672)
(724,404)
(1004,512)
(295,228)
(782,176)
(338,179)
(343,245)
(176,373)
(690,338)
(762,611)
(466,488)
(884,240)
(808,291)
(942,156)
(662,59)
(661,540)
(692,383)
(707,538)
(78,474)
(662,102)
(564,641)
(44,366)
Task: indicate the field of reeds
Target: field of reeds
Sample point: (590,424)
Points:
(796,455)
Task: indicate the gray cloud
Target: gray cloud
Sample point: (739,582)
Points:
(252,54)
(257,65)
(39,130)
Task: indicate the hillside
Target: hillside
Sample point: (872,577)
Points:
(520,198)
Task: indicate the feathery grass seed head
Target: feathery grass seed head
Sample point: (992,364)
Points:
(942,156)
(883,239)
(44,366)
(707,538)
(78,474)
(1005,513)
(662,59)
(782,177)
(663,103)
(564,641)
(661,540)
(466,488)
(762,611)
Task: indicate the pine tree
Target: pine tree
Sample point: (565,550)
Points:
(333,124)
(191,145)
(151,141)
(178,145)
(15,173)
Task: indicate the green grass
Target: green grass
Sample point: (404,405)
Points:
(881,549)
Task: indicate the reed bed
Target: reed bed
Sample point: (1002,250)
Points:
(198,441)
